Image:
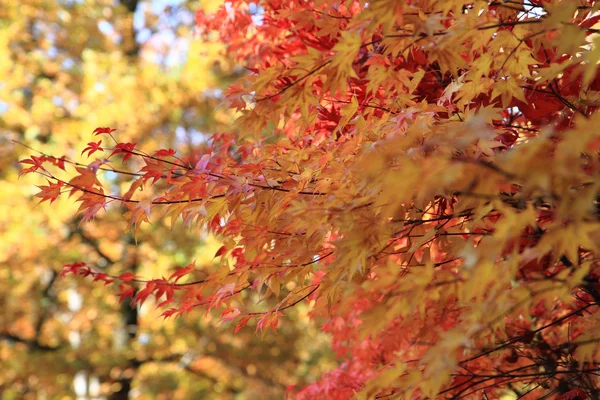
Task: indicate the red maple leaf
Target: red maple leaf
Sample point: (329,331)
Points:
(126,148)
(72,268)
(169,313)
(93,147)
(127,277)
(50,192)
(103,130)
(153,169)
(164,153)
(181,272)
(36,162)
(125,292)
(59,162)
(143,294)
(85,180)
(241,324)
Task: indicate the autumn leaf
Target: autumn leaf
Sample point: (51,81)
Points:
(37,163)
(229,314)
(93,147)
(181,272)
(123,148)
(86,180)
(125,291)
(135,185)
(153,169)
(417,180)
(222,250)
(243,322)
(59,162)
(73,268)
(164,153)
(50,192)
(143,294)
(127,277)
(103,131)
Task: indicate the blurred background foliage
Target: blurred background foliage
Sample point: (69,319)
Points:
(67,67)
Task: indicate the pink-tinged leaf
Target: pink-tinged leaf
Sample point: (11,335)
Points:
(91,202)
(127,277)
(104,130)
(140,213)
(229,314)
(95,166)
(164,153)
(91,211)
(260,325)
(241,324)
(181,272)
(268,321)
(257,284)
(202,164)
(93,147)
(225,291)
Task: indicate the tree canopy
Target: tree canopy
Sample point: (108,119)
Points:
(67,67)
(423,174)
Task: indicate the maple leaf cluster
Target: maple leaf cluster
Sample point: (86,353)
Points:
(424,174)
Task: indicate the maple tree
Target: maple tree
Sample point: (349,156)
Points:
(72,66)
(423,173)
